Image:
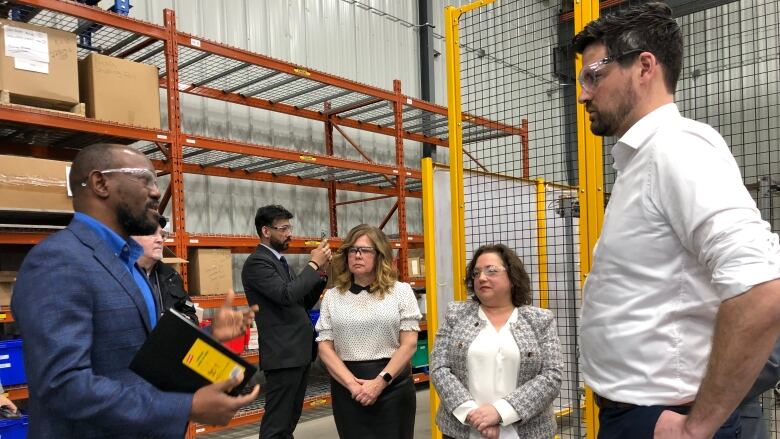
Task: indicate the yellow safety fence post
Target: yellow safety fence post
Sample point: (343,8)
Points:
(591,189)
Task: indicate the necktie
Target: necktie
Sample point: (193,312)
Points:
(284,263)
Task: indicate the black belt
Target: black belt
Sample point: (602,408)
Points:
(609,404)
(605,403)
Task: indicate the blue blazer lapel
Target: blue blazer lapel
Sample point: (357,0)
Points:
(113,266)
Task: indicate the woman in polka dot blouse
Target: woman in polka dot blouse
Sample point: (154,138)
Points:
(367,335)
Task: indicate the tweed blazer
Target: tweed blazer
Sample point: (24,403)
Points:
(539,374)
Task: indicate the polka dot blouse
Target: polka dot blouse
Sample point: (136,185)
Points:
(364,326)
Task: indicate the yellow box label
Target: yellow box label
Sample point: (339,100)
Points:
(210,363)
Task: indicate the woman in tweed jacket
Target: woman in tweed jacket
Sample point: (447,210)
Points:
(496,360)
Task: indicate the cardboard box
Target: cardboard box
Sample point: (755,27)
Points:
(7,280)
(119,90)
(210,271)
(170,258)
(413,265)
(39,65)
(34,185)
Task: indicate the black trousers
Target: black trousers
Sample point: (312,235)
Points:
(390,417)
(284,392)
(639,422)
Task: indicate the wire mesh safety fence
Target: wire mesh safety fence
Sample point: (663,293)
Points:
(516,67)
(519,190)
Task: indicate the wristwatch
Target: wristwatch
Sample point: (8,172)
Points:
(386,376)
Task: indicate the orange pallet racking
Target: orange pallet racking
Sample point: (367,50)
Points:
(196,66)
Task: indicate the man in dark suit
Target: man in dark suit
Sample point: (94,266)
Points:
(84,309)
(286,335)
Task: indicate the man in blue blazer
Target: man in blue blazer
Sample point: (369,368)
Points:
(84,310)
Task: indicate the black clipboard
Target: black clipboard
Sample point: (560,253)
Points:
(179,357)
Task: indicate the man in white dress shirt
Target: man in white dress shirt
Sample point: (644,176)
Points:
(682,305)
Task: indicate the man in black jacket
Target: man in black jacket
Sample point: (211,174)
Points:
(167,285)
(286,336)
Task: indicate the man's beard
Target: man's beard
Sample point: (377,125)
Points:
(139,225)
(607,124)
(279,246)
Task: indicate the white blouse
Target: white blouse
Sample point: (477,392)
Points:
(493,361)
(364,326)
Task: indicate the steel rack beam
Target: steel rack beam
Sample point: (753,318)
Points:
(264,164)
(150,54)
(297,93)
(290,155)
(59,121)
(308,114)
(122,43)
(221,74)
(348,107)
(138,47)
(98,15)
(252,82)
(291,180)
(362,110)
(296,170)
(325,99)
(274,64)
(221,161)
(194,60)
(197,152)
(269,87)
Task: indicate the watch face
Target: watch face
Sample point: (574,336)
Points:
(387,377)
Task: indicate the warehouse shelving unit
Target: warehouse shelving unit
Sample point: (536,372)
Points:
(196,66)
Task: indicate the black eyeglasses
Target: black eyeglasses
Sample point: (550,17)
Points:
(589,76)
(368,251)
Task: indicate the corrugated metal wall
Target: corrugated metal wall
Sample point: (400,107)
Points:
(334,36)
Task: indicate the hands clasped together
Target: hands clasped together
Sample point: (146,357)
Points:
(366,392)
(486,420)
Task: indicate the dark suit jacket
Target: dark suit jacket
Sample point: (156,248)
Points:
(82,318)
(283,325)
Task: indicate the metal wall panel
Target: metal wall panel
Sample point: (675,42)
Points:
(334,36)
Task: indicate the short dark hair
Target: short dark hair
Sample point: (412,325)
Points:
(649,27)
(266,216)
(515,269)
(163,221)
(98,156)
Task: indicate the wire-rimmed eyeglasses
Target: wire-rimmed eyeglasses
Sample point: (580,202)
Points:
(144,175)
(490,271)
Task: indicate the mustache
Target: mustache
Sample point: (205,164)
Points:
(153,205)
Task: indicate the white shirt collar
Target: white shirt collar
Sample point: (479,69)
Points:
(276,253)
(512,317)
(637,135)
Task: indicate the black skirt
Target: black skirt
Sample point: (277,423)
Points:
(390,417)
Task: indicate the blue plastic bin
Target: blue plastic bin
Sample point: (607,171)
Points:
(14,428)
(11,363)
(314,315)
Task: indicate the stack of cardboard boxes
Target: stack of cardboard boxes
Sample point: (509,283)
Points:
(39,67)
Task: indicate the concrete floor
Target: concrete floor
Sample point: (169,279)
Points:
(323,427)
(318,424)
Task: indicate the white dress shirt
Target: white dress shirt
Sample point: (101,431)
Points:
(493,362)
(681,234)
